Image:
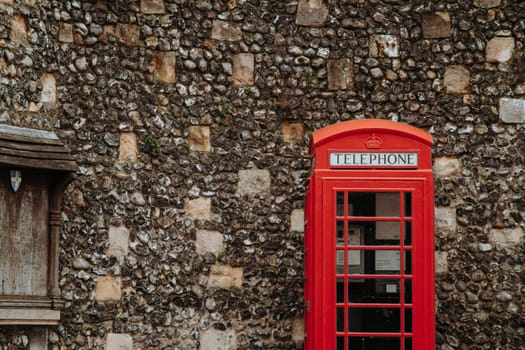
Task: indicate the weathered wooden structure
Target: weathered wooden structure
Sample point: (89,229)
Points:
(35,168)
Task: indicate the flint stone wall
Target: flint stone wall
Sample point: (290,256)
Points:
(192,117)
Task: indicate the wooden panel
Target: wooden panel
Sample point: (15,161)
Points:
(30,139)
(28,316)
(31,147)
(64,165)
(23,235)
(38,154)
(9,132)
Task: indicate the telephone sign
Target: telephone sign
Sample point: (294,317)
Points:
(375,159)
(369,239)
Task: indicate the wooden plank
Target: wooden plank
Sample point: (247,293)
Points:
(61,165)
(34,302)
(29,132)
(39,240)
(6,240)
(4,236)
(24,238)
(27,139)
(29,316)
(36,154)
(31,147)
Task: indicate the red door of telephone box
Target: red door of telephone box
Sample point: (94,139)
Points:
(369,241)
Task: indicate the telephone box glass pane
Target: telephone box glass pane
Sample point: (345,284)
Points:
(340,319)
(339,262)
(408,291)
(340,204)
(375,262)
(387,204)
(355,235)
(377,290)
(386,290)
(355,262)
(340,232)
(340,291)
(373,320)
(362,203)
(408,204)
(373,343)
(408,232)
(340,343)
(387,261)
(387,232)
(374,233)
(408,320)
(408,262)
(408,343)
(381,204)
(377,232)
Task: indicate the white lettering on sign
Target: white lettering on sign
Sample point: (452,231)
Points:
(379,159)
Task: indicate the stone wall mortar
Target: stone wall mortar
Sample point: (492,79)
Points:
(159,70)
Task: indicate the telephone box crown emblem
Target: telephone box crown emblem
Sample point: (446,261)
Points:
(373,141)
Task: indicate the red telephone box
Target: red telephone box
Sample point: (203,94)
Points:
(369,241)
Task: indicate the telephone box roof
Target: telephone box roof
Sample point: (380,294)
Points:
(348,128)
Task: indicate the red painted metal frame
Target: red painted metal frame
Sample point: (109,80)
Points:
(320,245)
